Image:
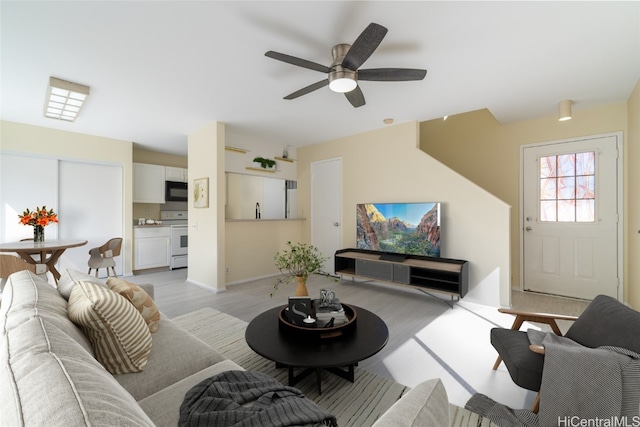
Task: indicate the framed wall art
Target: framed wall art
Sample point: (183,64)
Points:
(201,193)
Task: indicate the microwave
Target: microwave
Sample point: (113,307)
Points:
(176,191)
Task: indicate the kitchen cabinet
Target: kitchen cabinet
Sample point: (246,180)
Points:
(148,183)
(176,174)
(151,247)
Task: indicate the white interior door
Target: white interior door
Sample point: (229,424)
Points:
(326,208)
(570,218)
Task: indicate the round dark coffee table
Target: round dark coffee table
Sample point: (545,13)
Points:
(336,355)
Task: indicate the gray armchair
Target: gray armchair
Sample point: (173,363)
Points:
(102,256)
(605,322)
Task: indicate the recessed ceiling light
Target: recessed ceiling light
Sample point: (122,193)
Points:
(64,99)
(388,121)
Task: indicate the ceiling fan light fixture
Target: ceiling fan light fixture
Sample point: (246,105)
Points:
(564,110)
(342,80)
(344,72)
(343,85)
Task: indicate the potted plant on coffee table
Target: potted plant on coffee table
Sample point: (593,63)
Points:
(296,264)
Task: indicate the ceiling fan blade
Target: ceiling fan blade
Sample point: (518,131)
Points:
(355,97)
(308,89)
(297,61)
(363,47)
(391,74)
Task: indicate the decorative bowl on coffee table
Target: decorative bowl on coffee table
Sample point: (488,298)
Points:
(315,332)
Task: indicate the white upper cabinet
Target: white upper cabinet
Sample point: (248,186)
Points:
(176,174)
(148,183)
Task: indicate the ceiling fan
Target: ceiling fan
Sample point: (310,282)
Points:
(344,72)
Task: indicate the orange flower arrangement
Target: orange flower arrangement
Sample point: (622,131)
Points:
(41,217)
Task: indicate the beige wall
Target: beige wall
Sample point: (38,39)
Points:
(386,165)
(488,153)
(632,200)
(251,246)
(156,158)
(206,225)
(152,210)
(59,144)
(237,162)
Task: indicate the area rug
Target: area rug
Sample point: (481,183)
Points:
(354,404)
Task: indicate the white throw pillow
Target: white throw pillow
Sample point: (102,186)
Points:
(69,278)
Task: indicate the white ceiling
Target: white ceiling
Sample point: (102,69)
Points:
(159,71)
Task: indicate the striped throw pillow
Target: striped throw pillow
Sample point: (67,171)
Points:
(120,337)
(140,300)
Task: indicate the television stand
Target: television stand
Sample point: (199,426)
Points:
(427,274)
(389,256)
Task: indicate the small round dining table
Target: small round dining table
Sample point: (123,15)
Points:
(49,251)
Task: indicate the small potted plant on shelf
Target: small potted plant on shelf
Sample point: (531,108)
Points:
(296,264)
(265,163)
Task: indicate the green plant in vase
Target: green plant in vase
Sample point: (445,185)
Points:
(296,264)
(265,163)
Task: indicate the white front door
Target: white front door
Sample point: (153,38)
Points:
(326,209)
(570,217)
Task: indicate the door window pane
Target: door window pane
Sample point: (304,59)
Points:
(567,187)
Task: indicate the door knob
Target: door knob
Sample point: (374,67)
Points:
(529,219)
(336,224)
(528,229)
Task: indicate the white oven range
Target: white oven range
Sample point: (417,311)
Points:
(177,220)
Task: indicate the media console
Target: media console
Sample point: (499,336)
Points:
(449,276)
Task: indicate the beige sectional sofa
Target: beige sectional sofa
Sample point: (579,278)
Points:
(50,374)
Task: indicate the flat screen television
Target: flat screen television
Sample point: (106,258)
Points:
(399,228)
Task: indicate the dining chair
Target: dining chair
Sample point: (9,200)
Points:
(103,256)
(10,264)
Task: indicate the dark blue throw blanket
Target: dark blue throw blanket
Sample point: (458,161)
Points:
(246,399)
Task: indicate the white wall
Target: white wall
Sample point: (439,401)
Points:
(387,166)
(18,138)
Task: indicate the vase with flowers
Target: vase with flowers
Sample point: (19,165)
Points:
(296,264)
(39,219)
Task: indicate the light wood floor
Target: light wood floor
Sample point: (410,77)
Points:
(175,296)
(427,338)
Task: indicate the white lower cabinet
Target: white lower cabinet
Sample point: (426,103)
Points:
(152,247)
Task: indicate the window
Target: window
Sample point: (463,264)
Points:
(567,187)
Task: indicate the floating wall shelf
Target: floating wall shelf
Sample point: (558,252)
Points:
(235,150)
(261,169)
(282,159)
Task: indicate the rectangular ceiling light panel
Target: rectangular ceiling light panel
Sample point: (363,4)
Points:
(64,99)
